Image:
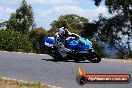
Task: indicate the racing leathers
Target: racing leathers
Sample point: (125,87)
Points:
(60,43)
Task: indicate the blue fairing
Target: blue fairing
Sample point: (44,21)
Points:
(86,44)
(49,41)
(75,44)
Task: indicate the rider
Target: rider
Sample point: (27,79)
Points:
(60,41)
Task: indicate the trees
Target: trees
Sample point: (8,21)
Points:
(71,21)
(117,30)
(89,29)
(15,36)
(37,36)
(15,41)
(76,24)
(22,20)
(12,23)
(74,21)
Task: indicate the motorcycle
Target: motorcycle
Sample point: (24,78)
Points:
(81,50)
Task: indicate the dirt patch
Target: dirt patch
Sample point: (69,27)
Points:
(123,60)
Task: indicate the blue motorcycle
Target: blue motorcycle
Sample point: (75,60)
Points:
(81,50)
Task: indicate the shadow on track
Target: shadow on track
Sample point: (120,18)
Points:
(48,60)
(65,61)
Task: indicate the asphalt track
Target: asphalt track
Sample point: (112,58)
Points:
(41,68)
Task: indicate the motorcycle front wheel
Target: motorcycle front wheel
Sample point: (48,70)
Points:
(94,57)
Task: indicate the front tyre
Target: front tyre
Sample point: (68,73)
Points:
(94,57)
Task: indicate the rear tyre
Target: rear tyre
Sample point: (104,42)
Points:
(54,53)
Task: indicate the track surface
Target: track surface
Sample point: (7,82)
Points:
(40,68)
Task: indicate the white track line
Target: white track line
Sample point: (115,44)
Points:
(22,52)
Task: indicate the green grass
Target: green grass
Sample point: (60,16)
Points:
(9,83)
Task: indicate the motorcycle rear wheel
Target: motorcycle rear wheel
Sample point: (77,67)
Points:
(54,53)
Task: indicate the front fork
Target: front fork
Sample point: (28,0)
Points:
(90,56)
(91,50)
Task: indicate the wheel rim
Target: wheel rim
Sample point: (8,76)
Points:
(96,58)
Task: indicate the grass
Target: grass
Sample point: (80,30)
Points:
(10,83)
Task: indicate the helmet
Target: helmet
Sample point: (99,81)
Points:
(63,32)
